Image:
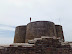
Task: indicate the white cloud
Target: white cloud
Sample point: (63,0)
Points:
(7,28)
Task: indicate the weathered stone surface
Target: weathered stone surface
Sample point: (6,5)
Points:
(40,28)
(43,45)
(59,32)
(20,34)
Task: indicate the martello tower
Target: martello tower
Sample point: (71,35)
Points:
(36,30)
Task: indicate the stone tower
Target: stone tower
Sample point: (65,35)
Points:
(59,32)
(20,34)
(36,30)
(40,28)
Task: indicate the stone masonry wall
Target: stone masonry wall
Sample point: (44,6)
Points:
(59,32)
(40,28)
(20,34)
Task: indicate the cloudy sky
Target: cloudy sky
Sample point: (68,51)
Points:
(18,12)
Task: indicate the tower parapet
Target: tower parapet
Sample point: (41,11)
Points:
(20,34)
(36,30)
(59,32)
(40,28)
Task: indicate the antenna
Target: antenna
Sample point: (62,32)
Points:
(60,21)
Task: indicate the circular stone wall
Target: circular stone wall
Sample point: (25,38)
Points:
(59,32)
(20,34)
(40,28)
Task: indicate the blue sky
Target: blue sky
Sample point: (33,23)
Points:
(18,12)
